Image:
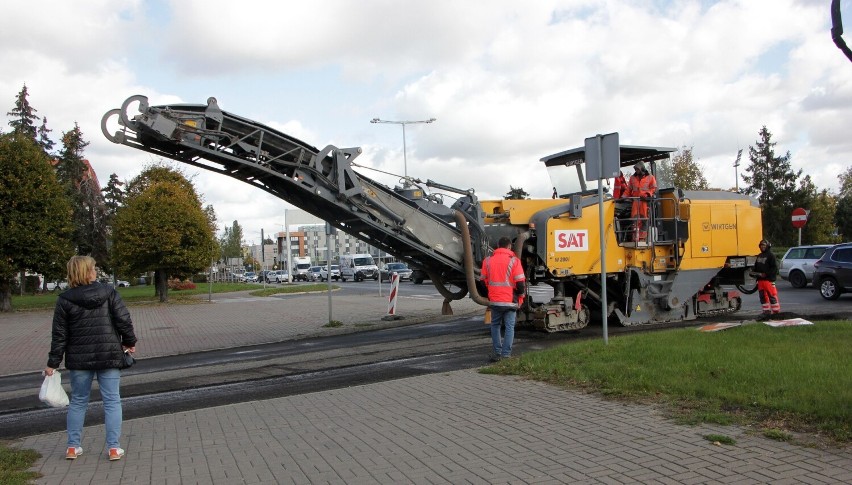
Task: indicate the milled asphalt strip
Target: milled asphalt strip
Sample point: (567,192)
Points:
(49,420)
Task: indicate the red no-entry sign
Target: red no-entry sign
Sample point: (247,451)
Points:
(800,217)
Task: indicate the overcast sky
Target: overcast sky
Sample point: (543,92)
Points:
(508,81)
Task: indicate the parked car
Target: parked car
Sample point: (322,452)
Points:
(250,277)
(233,278)
(57,285)
(797,265)
(418,276)
(280,276)
(315,273)
(401,269)
(335,272)
(122,284)
(265,275)
(833,271)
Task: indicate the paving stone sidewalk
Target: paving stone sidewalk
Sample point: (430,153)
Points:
(456,427)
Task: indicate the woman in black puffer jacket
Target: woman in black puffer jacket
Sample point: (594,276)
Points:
(91,331)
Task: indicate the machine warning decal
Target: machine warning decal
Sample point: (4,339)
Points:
(571,240)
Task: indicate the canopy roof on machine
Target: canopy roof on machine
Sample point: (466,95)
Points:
(630,154)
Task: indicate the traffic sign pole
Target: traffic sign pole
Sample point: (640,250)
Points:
(799,219)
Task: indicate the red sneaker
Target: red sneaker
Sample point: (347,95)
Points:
(73,452)
(115,454)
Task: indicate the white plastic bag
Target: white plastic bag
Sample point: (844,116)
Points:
(52,393)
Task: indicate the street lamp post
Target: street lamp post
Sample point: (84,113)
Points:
(404,148)
(736,176)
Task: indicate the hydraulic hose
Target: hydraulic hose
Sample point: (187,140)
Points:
(461,223)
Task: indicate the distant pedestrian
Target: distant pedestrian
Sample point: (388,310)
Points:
(766,271)
(506,285)
(91,331)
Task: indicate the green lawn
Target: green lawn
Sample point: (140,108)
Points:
(778,379)
(145,294)
(14,465)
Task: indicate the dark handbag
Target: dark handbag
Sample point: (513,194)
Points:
(128,360)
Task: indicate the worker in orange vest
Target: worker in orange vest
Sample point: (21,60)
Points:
(506,285)
(642,187)
(620,186)
(622,208)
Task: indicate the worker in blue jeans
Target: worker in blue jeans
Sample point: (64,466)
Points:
(505,282)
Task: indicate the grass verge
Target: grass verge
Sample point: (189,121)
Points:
(292,289)
(145,294)
(14,464)
(782,379)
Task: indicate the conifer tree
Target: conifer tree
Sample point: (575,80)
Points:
(113,196)
(516,193)
(23,115)
(90,217)
(43,138)
(773,182)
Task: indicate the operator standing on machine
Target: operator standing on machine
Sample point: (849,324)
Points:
(642,187)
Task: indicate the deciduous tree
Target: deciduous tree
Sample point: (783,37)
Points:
(843,212)
(35,229)
(821,206)
(687,174)
(162,228)
(232,241)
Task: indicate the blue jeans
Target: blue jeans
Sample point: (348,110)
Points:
(81,388)
(505,316)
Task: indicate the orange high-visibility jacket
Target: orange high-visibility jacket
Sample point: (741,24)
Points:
(501,273)
(620,187)
(646,186)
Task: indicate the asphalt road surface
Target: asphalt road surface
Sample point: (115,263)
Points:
(198,380)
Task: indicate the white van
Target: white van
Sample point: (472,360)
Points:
(358,267)
(301,268)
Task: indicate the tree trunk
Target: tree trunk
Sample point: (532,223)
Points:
(162,283)
(5,295)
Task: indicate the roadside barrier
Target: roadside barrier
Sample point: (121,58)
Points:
(394,290)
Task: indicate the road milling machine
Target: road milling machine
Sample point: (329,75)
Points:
(700,245)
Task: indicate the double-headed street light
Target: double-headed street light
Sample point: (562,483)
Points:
(403,123)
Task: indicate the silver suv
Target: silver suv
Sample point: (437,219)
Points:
(797,265)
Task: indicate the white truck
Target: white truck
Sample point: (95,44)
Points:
(358,267)
(301,268)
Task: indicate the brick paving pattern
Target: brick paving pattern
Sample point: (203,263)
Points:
(456,427)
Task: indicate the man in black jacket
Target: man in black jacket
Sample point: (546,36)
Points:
(766,271)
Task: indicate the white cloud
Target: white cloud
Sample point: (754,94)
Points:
(509,82)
